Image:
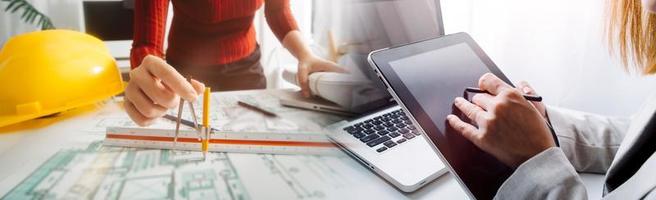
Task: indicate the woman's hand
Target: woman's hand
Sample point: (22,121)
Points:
(308,63)
(508,126)
(155,87)
(313,64)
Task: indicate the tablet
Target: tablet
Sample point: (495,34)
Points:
(425,78)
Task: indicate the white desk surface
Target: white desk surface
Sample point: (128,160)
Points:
(23,149)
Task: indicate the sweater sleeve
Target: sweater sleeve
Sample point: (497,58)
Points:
(279,17)
(149,27)
(548,175)
(589,141)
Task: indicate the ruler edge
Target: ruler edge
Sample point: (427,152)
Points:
(329,149)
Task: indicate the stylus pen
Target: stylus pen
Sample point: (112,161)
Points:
(526,96)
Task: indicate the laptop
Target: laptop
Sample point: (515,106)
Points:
(384,139)
(296,100)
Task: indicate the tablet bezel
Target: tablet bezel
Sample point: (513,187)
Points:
(380,61)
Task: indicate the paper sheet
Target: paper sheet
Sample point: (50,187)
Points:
(98,172)
(61,163)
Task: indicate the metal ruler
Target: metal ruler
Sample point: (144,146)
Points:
(223,141)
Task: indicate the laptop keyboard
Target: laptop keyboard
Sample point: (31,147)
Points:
(384,131)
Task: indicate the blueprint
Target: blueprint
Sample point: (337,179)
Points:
(85,169)
(98,172)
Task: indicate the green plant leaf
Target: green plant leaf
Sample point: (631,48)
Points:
(29,14)
(18,6)
(12,4)
(31,19)
(25,12)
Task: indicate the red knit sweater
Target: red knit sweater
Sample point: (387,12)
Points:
(204,32)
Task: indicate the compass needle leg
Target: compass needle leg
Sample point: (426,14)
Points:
(193,115)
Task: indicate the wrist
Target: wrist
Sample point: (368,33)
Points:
(530,154)
(537,154)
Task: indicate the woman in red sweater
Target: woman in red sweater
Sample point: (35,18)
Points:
(211,40)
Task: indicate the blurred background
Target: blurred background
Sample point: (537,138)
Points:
(558,46)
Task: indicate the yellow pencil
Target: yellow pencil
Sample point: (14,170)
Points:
(206,122)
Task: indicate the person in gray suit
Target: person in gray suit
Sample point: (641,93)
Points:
(513,130)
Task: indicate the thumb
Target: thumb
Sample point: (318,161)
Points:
(525,88)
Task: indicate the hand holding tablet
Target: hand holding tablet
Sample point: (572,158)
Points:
(483,141)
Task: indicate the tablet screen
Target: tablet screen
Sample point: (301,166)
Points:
(436,77)
(427,82)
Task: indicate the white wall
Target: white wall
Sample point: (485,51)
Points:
(558,46)
(63,13)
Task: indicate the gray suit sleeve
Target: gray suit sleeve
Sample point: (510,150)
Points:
(548,175)
(589,141)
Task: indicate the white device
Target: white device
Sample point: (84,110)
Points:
(296,100)
(332,92)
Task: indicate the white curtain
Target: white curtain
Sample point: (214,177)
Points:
(558,46)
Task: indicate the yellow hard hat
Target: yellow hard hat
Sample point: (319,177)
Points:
(47,72)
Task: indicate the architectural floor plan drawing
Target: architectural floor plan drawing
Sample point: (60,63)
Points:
(99,172)
(121,173)
(80,167)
